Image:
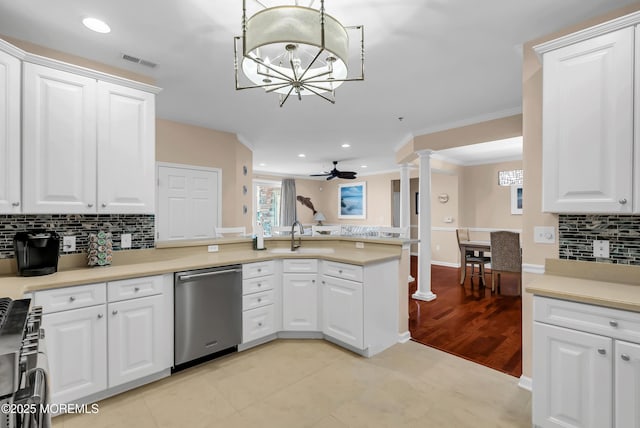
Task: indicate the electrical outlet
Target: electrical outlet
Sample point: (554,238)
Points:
(68,243)
(125,240)
(601,249)
(359,244)
(212,248)
(544,235)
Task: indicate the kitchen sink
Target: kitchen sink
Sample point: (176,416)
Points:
(303,250)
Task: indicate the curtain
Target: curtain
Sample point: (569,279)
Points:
(288,202)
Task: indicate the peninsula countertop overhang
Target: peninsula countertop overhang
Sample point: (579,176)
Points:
(169,259)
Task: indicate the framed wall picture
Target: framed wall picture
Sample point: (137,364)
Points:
(516,199)
(352,200)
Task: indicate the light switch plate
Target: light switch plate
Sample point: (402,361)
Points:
(544,234)
(125,240)
(601,249)
(68,243)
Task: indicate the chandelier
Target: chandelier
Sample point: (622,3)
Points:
(294,50)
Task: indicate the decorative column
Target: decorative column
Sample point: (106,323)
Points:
(424,227)
(405,201)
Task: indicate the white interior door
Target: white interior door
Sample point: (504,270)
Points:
(188,202)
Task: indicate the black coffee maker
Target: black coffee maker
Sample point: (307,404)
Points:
(37,252)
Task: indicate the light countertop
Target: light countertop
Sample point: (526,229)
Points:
(155,262)
(602,284)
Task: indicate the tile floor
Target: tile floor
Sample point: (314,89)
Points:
(313,383)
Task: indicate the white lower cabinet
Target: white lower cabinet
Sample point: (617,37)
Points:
(300,295)
(95,343)
(342,310)
(136,343)
(260,300)
(586,372)
(76,343)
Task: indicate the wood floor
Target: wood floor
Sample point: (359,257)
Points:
(469,321)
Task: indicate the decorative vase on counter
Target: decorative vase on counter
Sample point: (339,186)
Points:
(100,249)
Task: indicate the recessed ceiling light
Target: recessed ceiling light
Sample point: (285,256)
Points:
(96,25)
(302,155)
(345,145)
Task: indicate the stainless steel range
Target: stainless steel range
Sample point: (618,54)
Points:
(23,372)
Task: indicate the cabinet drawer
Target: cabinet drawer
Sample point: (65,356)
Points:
(257,323)
(254,270)
(253,285)
(615,323)
(342,270)
(62,299)
(300,265)
(256,300)
(135,287)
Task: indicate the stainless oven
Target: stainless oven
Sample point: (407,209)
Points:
(23,366)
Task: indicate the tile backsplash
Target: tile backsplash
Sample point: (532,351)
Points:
(577,233)
(142,228)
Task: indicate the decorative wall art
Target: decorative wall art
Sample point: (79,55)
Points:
(516,199)
(352,200)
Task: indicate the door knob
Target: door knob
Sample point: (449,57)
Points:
(104,205)
(623,201)
(613,323)
(16,204)
(115,312)
(602,351)
(90,205)
(72,299)
(625,357)
(100,316)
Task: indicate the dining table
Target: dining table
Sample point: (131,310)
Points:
(480,246)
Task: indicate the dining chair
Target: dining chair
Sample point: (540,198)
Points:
(230,231)
(506,256)
(471,258)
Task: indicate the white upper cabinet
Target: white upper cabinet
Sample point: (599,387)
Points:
(59,144)
(9,134)
(126,149)
(588,125)
(88,144)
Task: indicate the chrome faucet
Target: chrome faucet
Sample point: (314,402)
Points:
(293,243)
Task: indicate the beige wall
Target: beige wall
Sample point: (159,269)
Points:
(193,145)
(485,204)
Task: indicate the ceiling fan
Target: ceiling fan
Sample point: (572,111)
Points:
(334,173)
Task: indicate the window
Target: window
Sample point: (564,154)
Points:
(267,204)
(509,178)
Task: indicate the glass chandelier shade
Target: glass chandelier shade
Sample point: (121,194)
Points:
(294,50)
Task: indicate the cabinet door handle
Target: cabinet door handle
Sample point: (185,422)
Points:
(136,289)
(259,324)
(115,312)
(104,205)
(259,284)
(100,316)
(16,204)
(613,323)
(259,299)
(602,351)
(625,357)
(90,205)
(72,299)
(323,282)
(340,271)
(313,281)
(623,201)
(259,270)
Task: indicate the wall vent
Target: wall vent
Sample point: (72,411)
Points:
(140,61)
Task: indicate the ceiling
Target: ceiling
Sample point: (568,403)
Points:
(435,63)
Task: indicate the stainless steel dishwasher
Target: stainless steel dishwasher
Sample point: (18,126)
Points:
(208,312)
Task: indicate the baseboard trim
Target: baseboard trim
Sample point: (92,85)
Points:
(525,383)
(446,264)
(529,268)
(404,337)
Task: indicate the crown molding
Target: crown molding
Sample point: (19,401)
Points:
(588,33)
